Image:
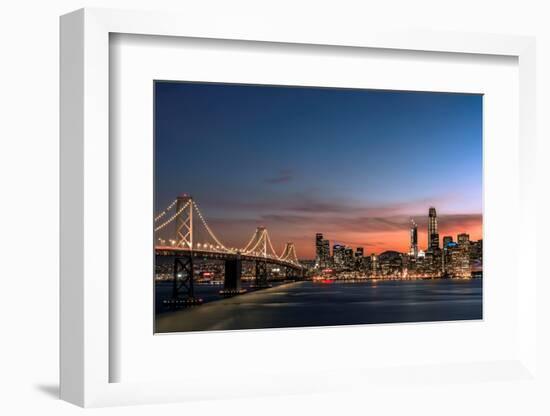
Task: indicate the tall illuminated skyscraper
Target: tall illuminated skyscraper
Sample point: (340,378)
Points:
(326,253)
(464,257)
(318,249)
(433,235)
(446,255)
(414,239)
(322,251)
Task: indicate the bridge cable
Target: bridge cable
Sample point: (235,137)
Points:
(250,242)
(208,228)
(163,213)
(260,240)
(172,218)
(271,245)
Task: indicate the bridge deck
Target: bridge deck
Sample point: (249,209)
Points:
(222,255)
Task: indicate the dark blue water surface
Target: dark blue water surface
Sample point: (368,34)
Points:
(303,304)
(207,292)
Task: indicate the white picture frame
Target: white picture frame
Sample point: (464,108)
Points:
(85,210)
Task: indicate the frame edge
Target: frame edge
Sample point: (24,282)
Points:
(71,219)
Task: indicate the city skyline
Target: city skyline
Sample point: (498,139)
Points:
(353,164)
(420,235)
(457,257)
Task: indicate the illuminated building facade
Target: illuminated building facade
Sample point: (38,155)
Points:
(349,260)
(463,241)
(447,240)
(338,253)
(322,251)
(359,258)
(414,239)
(390,263)
(433,236)
(373,264)
(476,257)
(326,259)
(456,257)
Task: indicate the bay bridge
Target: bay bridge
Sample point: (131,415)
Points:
(193,239)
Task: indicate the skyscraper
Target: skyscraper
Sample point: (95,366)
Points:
(322,251)
(414,239)
(464,257)
(318,249)
(476,250)
(446,255)
(433,236)
(374,264)
(338,251)
(476,255)
(359,258)
(326,254)
(348,257)
(463,238)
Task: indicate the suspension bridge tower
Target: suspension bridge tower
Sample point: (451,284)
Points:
(184,222)
(184,270)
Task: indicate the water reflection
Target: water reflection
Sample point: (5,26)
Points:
(314,304)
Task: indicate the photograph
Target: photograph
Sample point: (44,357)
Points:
(287,206)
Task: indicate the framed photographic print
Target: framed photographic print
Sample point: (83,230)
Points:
(284,211)
(288,206)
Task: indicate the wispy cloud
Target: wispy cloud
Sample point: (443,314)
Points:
(315,203)
(283,176)
(377,227)
(371,224)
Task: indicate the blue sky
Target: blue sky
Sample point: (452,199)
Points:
(300,159)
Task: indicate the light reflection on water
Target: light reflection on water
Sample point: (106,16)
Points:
(315,304)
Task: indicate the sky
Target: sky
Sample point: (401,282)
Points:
(353,164)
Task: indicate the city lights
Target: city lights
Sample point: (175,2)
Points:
(461,260)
